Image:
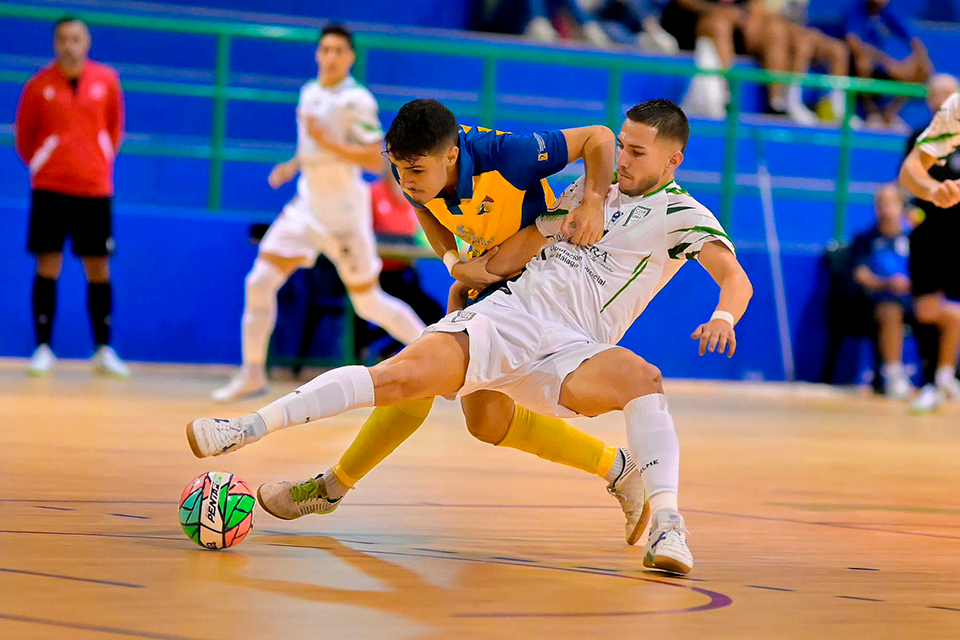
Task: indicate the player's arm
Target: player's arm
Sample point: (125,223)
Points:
(117,116)
(367,155)
(26,123)
(284,172)
(596,146)
(915,177)
(735,294)
(517,251)
(472,273)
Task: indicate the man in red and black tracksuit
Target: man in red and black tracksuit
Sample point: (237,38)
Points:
(69,125)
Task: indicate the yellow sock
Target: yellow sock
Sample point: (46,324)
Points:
(555,440)
(380,435)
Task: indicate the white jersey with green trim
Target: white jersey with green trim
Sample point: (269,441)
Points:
(602,289)
(348,113)
(942,136)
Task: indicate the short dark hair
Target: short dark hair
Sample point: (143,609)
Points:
(336,30)
(421,128)
(65,20)
(667,118)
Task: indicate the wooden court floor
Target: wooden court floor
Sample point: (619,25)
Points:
(814,514)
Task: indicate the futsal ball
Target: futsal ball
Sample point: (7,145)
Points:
(216,510)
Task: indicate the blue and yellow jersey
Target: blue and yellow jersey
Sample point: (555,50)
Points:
(502,185)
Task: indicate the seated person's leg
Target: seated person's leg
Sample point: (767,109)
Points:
(889,315)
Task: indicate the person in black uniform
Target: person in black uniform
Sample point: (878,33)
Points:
(933,275)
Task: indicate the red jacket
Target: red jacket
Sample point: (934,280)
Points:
(68,139)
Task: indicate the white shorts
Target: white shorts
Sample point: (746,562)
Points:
(353,252)
(518,354)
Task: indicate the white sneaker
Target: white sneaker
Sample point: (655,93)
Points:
(247,382)
(291,500)
(594,34)
(215,436)
(667,545)
(929,399)
(540,30)
(628,490)
(42,361)
(799,113)
(656,40)
(106,362)
(897,387)
(949,386)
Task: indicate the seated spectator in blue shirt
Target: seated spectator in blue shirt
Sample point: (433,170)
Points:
(880,257)
(883,47)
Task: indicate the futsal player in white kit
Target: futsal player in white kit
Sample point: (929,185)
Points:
(548,338)
(338,135)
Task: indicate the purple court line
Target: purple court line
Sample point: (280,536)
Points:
(110,583)
(127,515)
(760,586)
(717,600)
(90,627)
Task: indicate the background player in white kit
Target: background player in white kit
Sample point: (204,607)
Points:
(548,339)
(338,135)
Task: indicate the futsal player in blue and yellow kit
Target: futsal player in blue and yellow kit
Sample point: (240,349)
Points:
(483,186)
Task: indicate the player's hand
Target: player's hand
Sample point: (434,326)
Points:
(457,298)
(584,225)
(282,174)
(474,274)
(946,194)
(716,336)
(899,284)
(318,133)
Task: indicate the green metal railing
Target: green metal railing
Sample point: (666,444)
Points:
(488,110)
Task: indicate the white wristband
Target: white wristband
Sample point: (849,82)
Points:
(450,258)
(723,315)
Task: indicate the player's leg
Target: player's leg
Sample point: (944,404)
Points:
(384,430)
(45,238)
(889,316)
(617,379)
(935,309)
(433,365)
(354,254)
(494,418)
(260,287)
(100,306)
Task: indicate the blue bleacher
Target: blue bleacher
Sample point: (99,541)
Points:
(163,229)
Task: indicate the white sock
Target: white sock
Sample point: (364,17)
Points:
(795,95)
(389,313)
(892,370)
(335,488)
(259,310)
(616,469)
(838,102)
(945,375)
(327,395)
(663,500)
(653,444)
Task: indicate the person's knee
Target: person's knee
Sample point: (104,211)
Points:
(637,378)
(97,269)
(366,302)
(263,282)
(927,310)
(49,265)
(487,423)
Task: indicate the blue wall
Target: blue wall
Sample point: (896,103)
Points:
(179,269)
